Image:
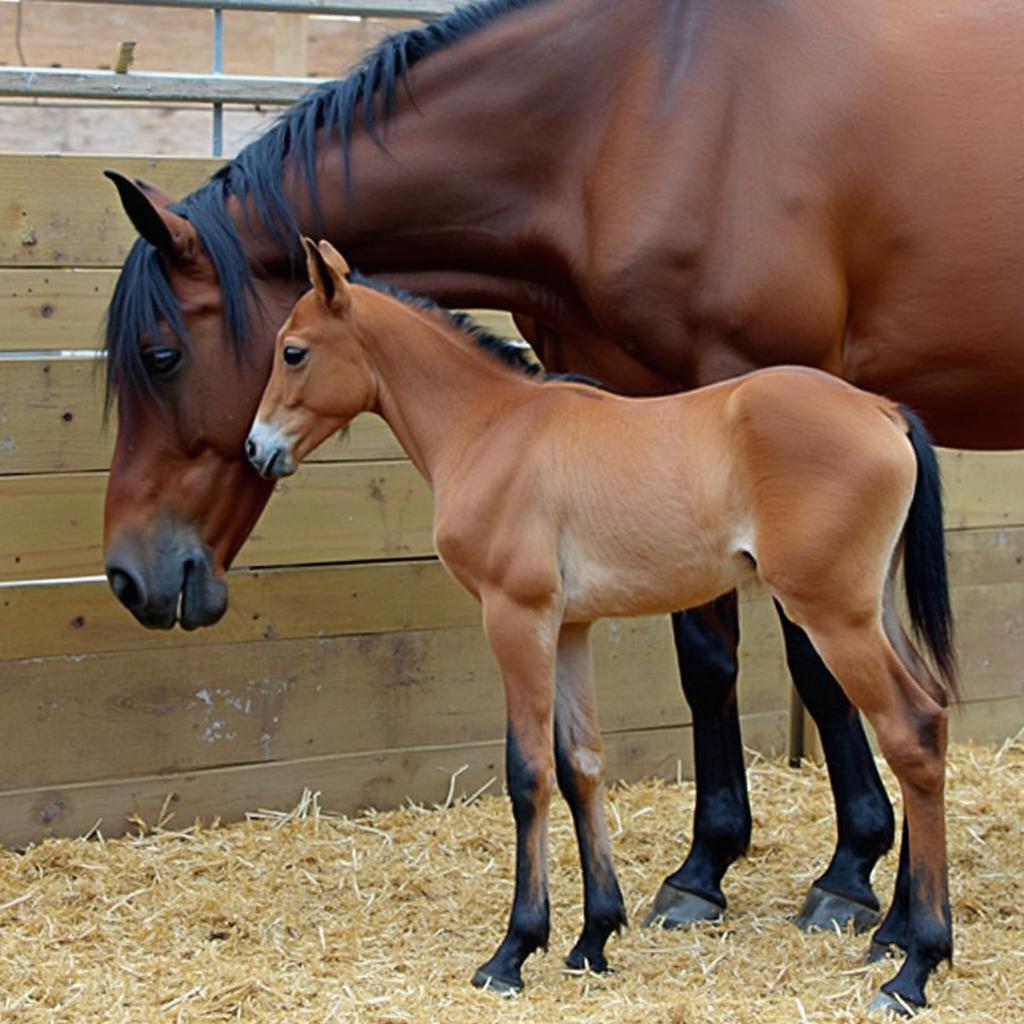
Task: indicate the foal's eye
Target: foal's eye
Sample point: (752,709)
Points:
(160,361)
(294,355)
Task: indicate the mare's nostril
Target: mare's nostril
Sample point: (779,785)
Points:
(250,448)
(126,588)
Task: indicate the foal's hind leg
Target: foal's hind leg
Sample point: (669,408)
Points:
(864,819)
(524,642)
(579,763)
(911,727)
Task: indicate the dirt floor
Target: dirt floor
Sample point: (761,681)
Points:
(301,917)
(86,36)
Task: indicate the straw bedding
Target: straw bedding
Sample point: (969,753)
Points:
(306,917)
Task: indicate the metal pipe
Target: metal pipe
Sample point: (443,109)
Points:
(422,9)
(218,69)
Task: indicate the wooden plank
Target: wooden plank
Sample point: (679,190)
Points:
(59,211)
(108,716)
(326,513)
(988,721)
(151,86)
(51,420)
(53,308)
(291,44)
(81,617)
(346,783)
(983,488)
(59,308)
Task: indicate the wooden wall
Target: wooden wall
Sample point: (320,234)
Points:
(348,661)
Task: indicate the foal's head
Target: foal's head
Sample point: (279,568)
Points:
(320,379)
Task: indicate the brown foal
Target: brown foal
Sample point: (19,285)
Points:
(557,504)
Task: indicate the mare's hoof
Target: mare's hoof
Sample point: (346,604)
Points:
(596,964)
(879,951)
(677,908)
(886,1004)
(494,983)
(823,910)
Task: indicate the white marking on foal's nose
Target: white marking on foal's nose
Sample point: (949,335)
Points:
(269,451)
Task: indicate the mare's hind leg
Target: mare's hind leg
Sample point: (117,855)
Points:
(579,764)
(524,643)
(864,819)
(911,727)
(706,640)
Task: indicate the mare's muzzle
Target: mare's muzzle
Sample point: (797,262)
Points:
(168,579)
(269,451)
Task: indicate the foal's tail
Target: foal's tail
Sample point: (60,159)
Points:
(924,557)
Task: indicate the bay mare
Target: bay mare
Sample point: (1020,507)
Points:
(557,504)
(668,193)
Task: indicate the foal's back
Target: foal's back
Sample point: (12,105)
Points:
(650,505)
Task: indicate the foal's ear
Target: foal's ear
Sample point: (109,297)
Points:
(146,207)
(327,269)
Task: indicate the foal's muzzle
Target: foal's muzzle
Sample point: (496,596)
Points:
(269,451)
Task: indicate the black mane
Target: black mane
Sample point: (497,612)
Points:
(142,294)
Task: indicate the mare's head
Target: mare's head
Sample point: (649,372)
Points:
(320,378)
(181,498)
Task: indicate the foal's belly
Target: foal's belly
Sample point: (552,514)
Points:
(623,579)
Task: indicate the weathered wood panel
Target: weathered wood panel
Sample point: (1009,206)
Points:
(81,616)
(51,420)
(352,512)
(346,782)
(110,716)
(59,211)
(326,512)
(54,308)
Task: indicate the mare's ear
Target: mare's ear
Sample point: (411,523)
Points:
(146,207)
(327,269)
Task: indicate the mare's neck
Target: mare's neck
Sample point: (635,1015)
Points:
(475,199)
(435,388)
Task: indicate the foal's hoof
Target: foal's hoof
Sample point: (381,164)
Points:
(495,983)
(677,908)
(883,1003)
(823,910)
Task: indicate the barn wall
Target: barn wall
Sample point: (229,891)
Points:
(348,661)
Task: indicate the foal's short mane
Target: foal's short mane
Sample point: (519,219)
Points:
(142,295)
(509,351)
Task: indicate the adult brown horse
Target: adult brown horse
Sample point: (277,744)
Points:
(670,192)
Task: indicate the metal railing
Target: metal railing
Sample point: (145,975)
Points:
(215,88)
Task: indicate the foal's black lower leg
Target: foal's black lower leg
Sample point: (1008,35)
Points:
(529,923)
(864,819)
(604,910)
(894,931)
(706,640)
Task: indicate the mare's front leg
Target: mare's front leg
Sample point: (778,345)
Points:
(706,640)
(579,764)
(524,642)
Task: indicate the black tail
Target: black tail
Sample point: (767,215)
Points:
(924,558)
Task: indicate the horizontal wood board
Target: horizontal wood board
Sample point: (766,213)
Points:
(346,782)
(59,211)
(363,510)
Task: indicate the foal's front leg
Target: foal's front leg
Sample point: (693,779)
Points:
(524,641)
(579,764)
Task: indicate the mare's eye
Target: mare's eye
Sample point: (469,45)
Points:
(160,361)
(294,355)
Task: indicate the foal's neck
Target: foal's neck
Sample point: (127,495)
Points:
(437,388)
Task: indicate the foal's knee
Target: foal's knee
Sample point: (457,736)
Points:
(580,772)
